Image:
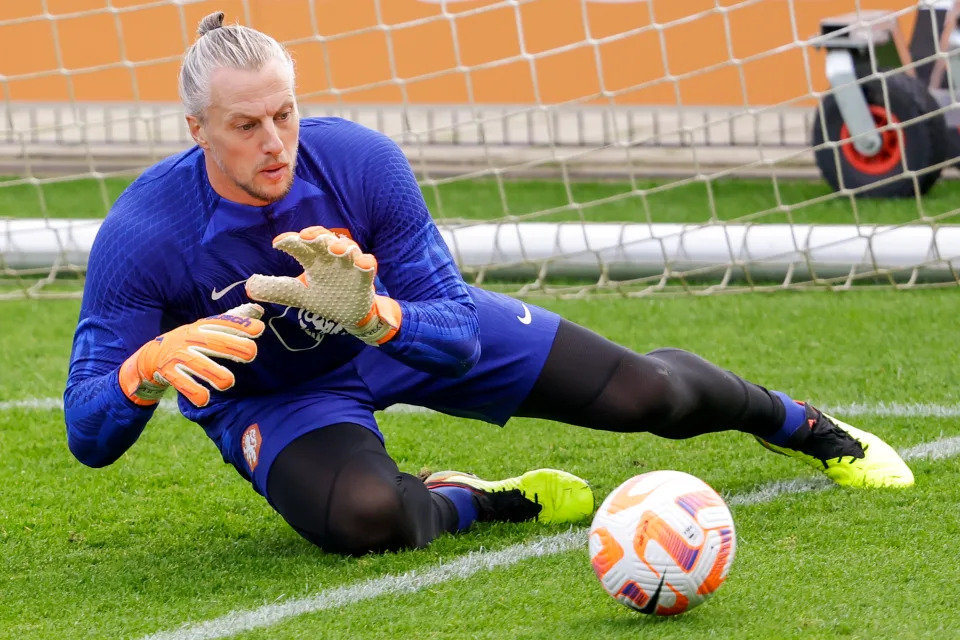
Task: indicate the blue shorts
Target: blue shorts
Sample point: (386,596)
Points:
(252,431)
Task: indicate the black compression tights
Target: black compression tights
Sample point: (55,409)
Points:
(338,488)
(592,382)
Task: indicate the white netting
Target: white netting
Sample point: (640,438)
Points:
(563,145)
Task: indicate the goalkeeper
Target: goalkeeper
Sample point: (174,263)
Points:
(357,305)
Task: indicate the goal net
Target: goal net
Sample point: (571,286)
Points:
(563,146)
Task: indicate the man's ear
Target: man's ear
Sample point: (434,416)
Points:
(196,132)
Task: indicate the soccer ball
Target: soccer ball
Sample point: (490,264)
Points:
(662,542)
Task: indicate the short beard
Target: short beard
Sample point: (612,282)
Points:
(250,189)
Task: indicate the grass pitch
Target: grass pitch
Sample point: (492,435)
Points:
(169,535)
(755,200)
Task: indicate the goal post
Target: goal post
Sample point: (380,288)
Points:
(563,146)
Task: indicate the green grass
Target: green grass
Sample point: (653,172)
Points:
(755,200)
(170,535)
(69,199)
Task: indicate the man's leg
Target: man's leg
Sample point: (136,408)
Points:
(590,381)
(339,489)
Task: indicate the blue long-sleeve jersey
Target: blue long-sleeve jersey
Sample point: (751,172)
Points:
(172,250)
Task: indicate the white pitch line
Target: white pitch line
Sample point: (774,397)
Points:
(881,409)
(936,450)
(476,561)
(409,582)
(940,449)
(33,404)
(897,410)
(771,490)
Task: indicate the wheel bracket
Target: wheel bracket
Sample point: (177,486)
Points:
(852,103)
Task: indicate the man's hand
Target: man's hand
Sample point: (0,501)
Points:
(336,284)
(179,356)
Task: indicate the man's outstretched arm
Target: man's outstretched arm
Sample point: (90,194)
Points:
(426,317)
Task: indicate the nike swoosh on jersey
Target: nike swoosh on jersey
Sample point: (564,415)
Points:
(216,295)
(526,318)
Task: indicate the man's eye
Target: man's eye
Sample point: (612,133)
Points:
(283,116)
(246,127)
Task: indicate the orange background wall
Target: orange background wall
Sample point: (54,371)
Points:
(356,61)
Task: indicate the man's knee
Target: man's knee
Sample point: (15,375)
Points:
(681,387)
(340,490)
(366,518)
(648,392)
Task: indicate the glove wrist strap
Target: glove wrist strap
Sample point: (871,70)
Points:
(139,391)
(381,324)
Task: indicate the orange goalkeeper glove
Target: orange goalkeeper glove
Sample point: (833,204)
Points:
(336,284)
(179,356)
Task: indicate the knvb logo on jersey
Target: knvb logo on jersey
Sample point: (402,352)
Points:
(250,443)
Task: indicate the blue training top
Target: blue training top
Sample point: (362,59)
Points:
(172,251)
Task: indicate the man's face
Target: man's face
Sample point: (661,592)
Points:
(250,132)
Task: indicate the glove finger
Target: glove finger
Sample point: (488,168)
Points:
(293,245)
(202,367)
(180,378)
(214,342)
(233,325)
(198,366)
(346,252)
(346,248)
(246,310)
(312,233)
(365,262)
(320,240)
(341,247)
(366,267)
(277,289)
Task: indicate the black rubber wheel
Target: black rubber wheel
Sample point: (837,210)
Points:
(924,143)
